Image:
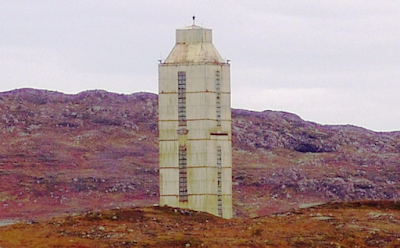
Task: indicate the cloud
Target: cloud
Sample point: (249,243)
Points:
(44,70)
(325,106)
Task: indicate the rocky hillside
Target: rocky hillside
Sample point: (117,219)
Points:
(97,150)
(298,162)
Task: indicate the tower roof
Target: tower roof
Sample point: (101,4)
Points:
(194,45)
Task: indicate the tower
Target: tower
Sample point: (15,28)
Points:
(195,125)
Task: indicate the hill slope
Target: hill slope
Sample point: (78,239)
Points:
(359,224)
(98,150)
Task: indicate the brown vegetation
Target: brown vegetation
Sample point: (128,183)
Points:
(357,224)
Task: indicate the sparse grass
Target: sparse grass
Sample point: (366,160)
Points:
(331,225)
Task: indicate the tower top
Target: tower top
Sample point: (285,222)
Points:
(193,34)
(194,45)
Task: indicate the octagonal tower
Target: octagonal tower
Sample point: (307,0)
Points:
(195,125)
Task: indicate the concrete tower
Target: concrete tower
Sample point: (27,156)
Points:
(195,125)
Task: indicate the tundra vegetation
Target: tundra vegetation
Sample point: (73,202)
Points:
(93,151)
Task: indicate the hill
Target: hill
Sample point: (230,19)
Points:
(357,224)
(98,150)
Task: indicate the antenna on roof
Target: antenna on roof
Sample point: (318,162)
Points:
(194,19)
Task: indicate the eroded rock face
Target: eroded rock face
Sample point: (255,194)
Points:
(97,149)
(271,129)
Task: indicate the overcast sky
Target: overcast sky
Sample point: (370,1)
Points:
(331,62)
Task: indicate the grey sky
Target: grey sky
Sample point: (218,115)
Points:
(331,62)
